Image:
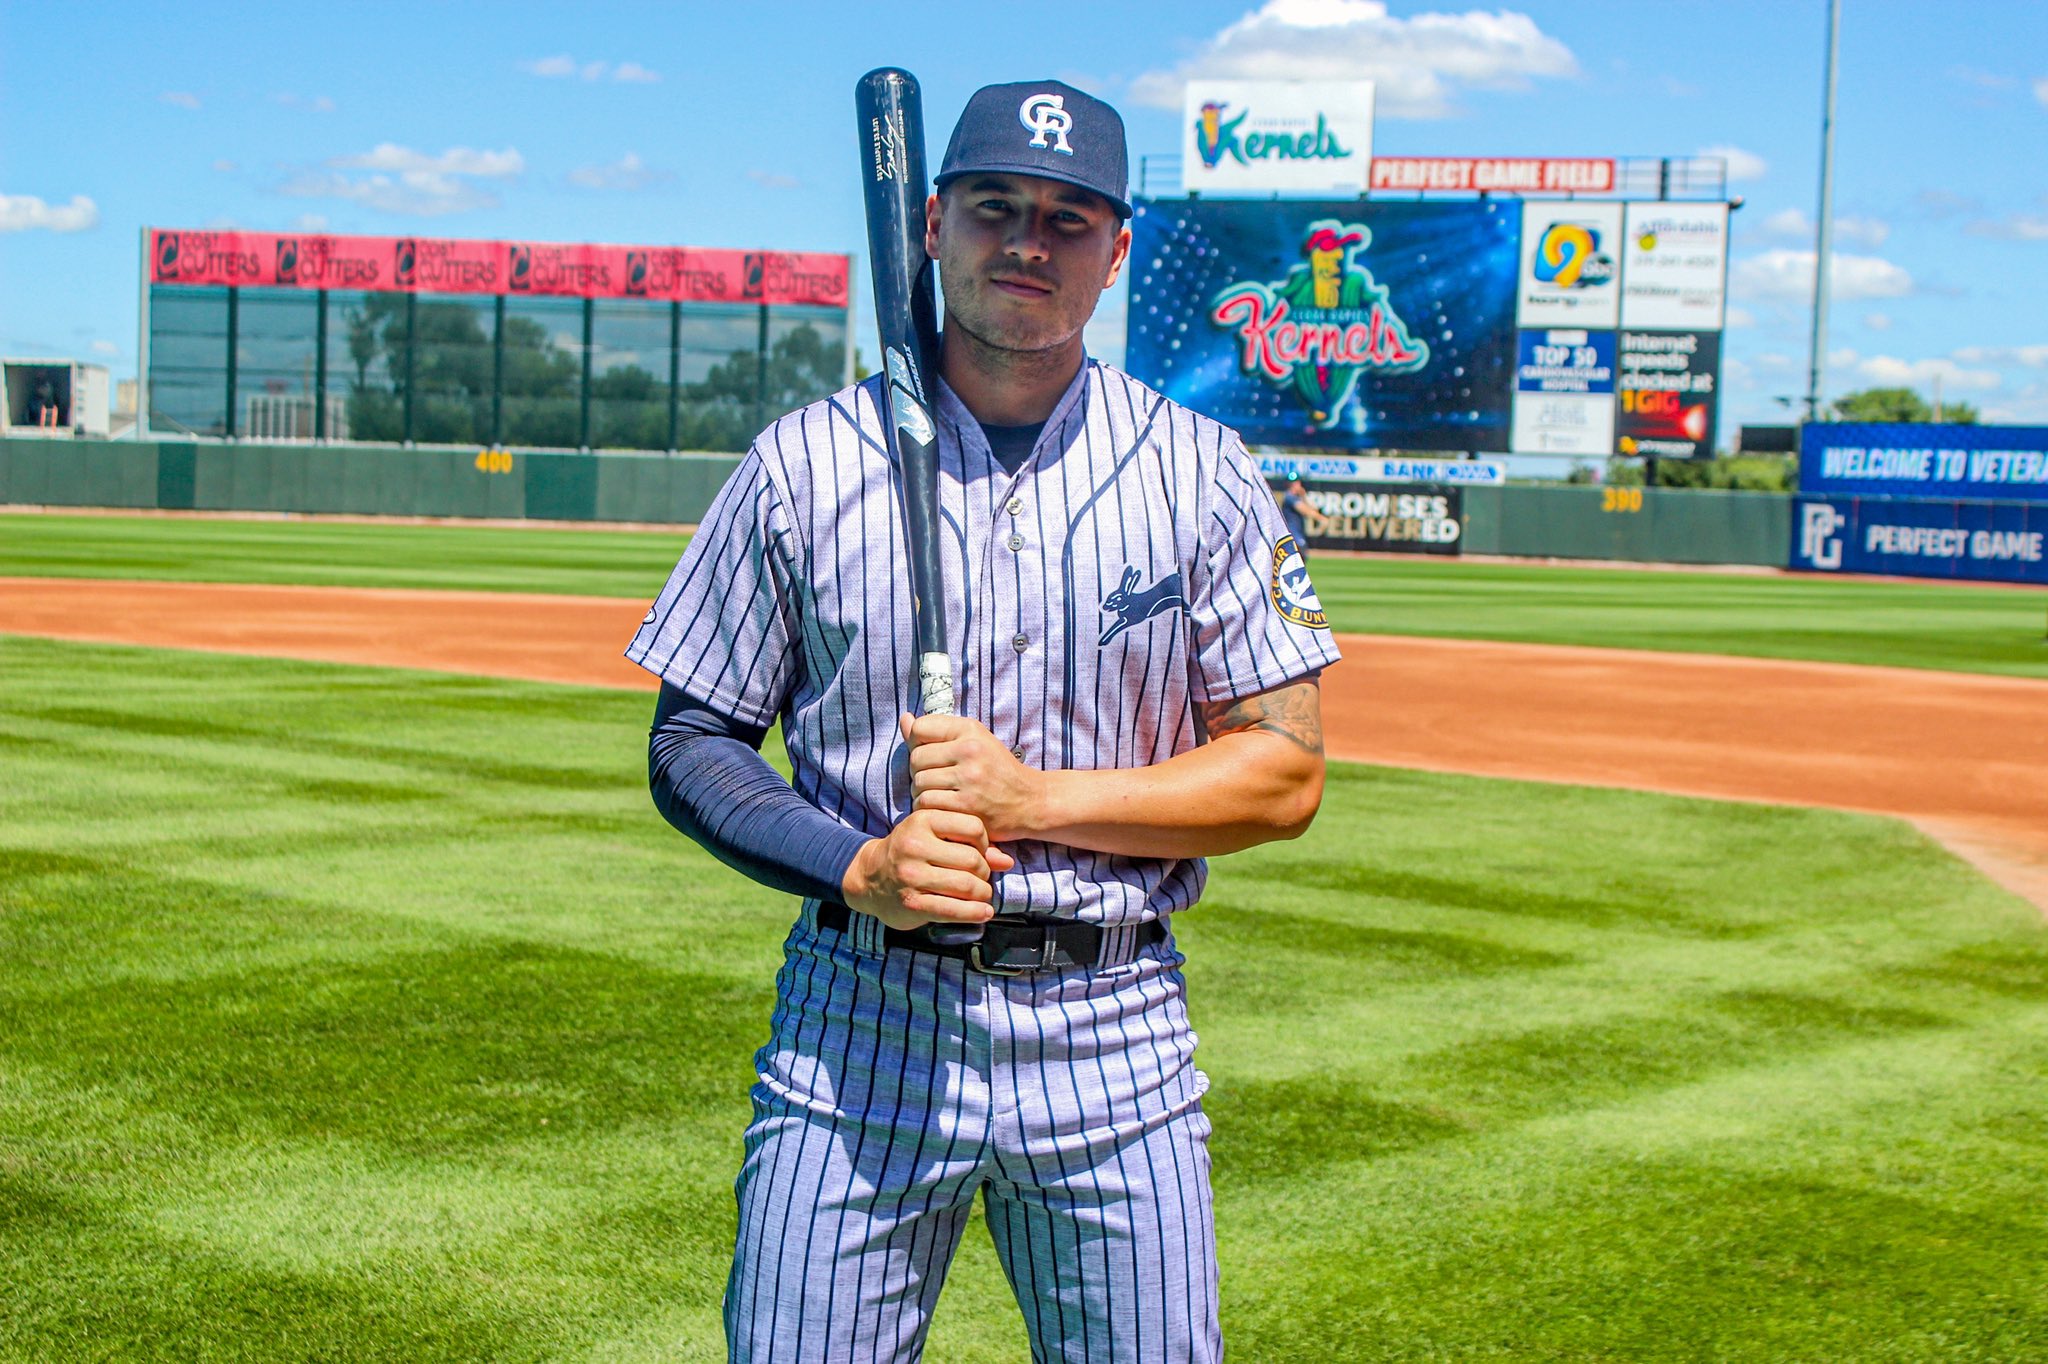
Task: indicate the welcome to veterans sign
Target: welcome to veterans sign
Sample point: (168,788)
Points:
(1921,459)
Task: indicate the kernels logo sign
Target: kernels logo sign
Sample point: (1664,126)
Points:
(1259,136)
(405,263)
(1217,137)
(1328,322)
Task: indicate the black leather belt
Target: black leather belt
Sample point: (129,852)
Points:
(1006,947)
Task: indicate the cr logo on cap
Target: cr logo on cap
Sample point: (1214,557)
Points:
(1044,114)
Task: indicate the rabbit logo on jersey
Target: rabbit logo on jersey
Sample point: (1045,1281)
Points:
(1294,596)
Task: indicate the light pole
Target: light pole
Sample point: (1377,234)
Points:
(1824,245)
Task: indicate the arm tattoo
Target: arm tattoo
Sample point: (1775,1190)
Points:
(1294,712)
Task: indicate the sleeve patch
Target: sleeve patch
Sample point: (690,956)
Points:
(1294,596)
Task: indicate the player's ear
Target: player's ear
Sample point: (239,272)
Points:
(1118,255)
(932,214)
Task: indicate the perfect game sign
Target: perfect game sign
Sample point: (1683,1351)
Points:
(1337,325)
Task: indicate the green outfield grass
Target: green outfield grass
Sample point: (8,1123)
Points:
(359,1015)
(1904,623)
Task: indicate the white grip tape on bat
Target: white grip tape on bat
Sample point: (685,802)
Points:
(935,683)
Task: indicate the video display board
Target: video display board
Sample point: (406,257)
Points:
(1330,323)
(1466,325)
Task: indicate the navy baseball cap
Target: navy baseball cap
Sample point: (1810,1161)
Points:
(1043,128)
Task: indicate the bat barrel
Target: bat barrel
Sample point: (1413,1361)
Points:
(891,119)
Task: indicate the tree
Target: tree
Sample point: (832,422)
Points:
(1897,405)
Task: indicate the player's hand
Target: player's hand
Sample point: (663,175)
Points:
(957,765)
(934,866)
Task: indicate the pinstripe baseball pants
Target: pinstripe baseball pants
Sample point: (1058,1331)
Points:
(896,1086)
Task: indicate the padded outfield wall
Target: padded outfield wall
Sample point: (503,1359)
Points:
(1628,524)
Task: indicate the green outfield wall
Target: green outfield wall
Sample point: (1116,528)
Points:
(1643,525)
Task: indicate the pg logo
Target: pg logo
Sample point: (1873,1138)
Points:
(1820,527)
(1047,114)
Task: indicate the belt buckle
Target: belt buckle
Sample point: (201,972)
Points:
(1015,959)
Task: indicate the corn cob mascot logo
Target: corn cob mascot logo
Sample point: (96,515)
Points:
(1321,328)
(1213,135)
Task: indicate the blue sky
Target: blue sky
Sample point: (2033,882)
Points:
(731,125)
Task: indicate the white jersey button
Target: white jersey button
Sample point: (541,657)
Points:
(1021,643)
(1015,506)
(1016,542)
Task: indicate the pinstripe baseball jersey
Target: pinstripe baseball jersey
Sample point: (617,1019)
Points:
(1133,568)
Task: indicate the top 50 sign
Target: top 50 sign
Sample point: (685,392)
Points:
(1261,136)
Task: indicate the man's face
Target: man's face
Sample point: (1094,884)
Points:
(1023,259)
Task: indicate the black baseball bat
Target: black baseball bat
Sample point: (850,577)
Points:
(893,183)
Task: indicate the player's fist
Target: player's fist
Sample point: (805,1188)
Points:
(935,865)
(957,765)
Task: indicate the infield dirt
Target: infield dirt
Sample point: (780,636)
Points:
(1963,756)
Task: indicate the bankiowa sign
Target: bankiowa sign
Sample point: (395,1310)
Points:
(438,265)
(1927,460)
(1482,473)
(1264,136)
(1494,174)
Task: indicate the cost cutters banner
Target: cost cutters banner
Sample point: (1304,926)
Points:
(1333,324)
(437,265)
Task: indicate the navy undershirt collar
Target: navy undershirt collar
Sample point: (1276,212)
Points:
(1012,445)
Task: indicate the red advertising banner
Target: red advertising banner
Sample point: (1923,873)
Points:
(439,265)
(1495,174)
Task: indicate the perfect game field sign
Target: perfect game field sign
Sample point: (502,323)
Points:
(1552,327)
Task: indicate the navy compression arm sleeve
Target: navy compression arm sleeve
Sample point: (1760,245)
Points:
(709,780)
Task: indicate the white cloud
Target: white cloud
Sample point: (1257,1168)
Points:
(425,194)
(1943,203)
(562,66)
(310,222)
(2041,90)
(2032,356)
(27,213)
(1983,80)
(1789,222)
(389,156)
(1793,224)
(628,172)
(1878,322)
(2014,227)
(772,179)
(1742,165)
(1785,273)
(1419,62)
(1739,317)
(182,99)
(225,166)
(410,182)
(105,348)
(1887,371)
(319,104)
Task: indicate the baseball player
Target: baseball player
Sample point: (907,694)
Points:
(981,995)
